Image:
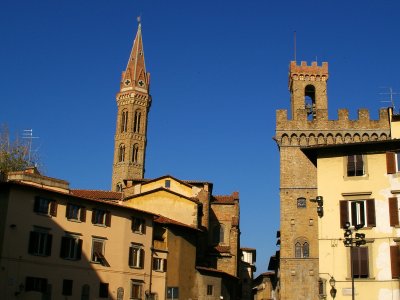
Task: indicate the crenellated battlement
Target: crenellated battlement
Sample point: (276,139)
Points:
(324,131)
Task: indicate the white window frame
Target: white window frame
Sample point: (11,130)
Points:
(73,247)
(138,225)
(361,212)
(136,250)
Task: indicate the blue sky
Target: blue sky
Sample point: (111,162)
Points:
(218,73)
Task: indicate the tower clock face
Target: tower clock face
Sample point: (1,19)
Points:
(301,202)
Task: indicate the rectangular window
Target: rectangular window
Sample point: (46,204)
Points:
(67,287)
(98,252)
(210,290)
(75,212)
(359,260)
(395,261)
(36,284)
(136,256)
(167,183)
(136,289)
(138,225)
(71,247)
(103,290)
(172,292)
(45,206)
(40,242)
(355,165)
(358,212)
(159,264)
(394,211)
(101,217)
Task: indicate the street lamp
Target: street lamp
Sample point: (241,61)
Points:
(350,241)
(333,291)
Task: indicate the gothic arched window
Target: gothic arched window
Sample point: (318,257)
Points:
(119,187)
(136,121)
(135,151)
(121,153)
(297,250)
(124,121)
(301,248)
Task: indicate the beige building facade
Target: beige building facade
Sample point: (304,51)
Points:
(57,243)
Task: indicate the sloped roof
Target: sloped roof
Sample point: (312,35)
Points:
(98,194)
(200,268)
(225,199)
(164,220)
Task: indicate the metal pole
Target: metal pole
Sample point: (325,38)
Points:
(351,268)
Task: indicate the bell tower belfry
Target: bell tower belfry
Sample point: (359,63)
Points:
(307,86)
(133,102)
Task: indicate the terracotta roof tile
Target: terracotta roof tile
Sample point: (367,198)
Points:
(222,249)
(97,194)
(226,198)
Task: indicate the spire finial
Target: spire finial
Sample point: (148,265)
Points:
(139,19)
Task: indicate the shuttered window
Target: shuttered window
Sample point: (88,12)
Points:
(395,261)
(71,248)
(393,211)
(45,206)
(355,165)
(358,212)
(136,256)
(101,217)
(359,259)
(391,162)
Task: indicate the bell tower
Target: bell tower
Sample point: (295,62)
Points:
(133,102)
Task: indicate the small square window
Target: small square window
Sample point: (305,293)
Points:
(67,287)
(301,202)
(103,290)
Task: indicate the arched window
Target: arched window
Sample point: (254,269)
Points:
(218,234)
(135,152)
(297,250)
(124,121)
(121,153)
(136,121)
(309,100)
(301,248)
(306,250)
(119,187)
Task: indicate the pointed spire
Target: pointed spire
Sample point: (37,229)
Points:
(135,75)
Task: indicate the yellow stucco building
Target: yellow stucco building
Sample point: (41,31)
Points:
(360,184)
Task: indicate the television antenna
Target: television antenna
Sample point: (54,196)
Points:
(391,93)
(28,134)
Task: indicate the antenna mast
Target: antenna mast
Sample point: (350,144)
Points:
(391,93)
(28,134)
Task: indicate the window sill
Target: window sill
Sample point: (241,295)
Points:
(361,279)
(100,225)
(44,214)
(134,267)
(74,220)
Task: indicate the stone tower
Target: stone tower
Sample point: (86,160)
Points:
(133,101)
(309,126)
